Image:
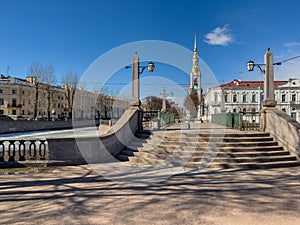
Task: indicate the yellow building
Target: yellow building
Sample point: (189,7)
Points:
(18,97)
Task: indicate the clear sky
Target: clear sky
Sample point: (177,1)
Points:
(71,34)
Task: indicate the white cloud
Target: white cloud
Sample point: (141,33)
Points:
(219,36)
(291,44)
(288,70)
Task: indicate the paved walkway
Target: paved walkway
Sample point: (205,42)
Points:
(79,195)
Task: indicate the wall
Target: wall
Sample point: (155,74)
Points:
(23,126)
(283,128)
(96,148)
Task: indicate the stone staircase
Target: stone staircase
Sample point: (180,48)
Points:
(207,149)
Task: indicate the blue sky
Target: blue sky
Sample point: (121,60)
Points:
(71,34)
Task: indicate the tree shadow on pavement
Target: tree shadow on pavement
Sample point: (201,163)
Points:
(77,195)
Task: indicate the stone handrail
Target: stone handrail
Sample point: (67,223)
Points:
(76,150)
(284,129)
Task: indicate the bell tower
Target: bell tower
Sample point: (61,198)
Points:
(195,76)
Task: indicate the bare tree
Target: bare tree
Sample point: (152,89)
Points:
(192,103)
(70,82)
(49,79)
(36,72)
(155,103)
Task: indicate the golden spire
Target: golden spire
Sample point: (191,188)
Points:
(195,44)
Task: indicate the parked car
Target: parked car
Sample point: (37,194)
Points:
(20,117)
(5,117)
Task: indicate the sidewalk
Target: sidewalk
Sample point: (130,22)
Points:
(79,195)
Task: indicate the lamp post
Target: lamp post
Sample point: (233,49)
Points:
(268,70)
(164,102)
(136,72)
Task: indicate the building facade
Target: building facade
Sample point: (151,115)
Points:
(18,97)
(247,96)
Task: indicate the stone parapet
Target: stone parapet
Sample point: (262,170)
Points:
(95,148)
(284,129)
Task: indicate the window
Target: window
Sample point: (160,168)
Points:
(14,91)
(14,102)
(253,97)
(293,97)
(216,97)
(226,97)
(14,112)
(261,97)
(1,90)
(1,112)
(196,82)
(1,101)
(244,98)
(283,98)
(293,115)
(234,98)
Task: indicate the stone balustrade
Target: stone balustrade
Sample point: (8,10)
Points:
(22,150)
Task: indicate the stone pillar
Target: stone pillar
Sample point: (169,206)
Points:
(135,81)
(164,107)
(269,100)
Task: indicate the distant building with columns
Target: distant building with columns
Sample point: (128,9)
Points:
(247,96)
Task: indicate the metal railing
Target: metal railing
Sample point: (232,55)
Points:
(166,118)
(21,150)
(157,119)
(240,120)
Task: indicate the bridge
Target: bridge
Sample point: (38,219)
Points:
(186,145)
(273,142)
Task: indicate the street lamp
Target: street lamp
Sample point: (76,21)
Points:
(268,71)
(164,102)
(251,65)
(136,71)
(150,67)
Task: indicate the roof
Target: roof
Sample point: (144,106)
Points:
(239,83)
(13,81)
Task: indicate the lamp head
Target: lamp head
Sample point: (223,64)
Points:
(151,66)
(250,66)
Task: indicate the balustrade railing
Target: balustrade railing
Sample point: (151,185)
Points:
(22,150)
